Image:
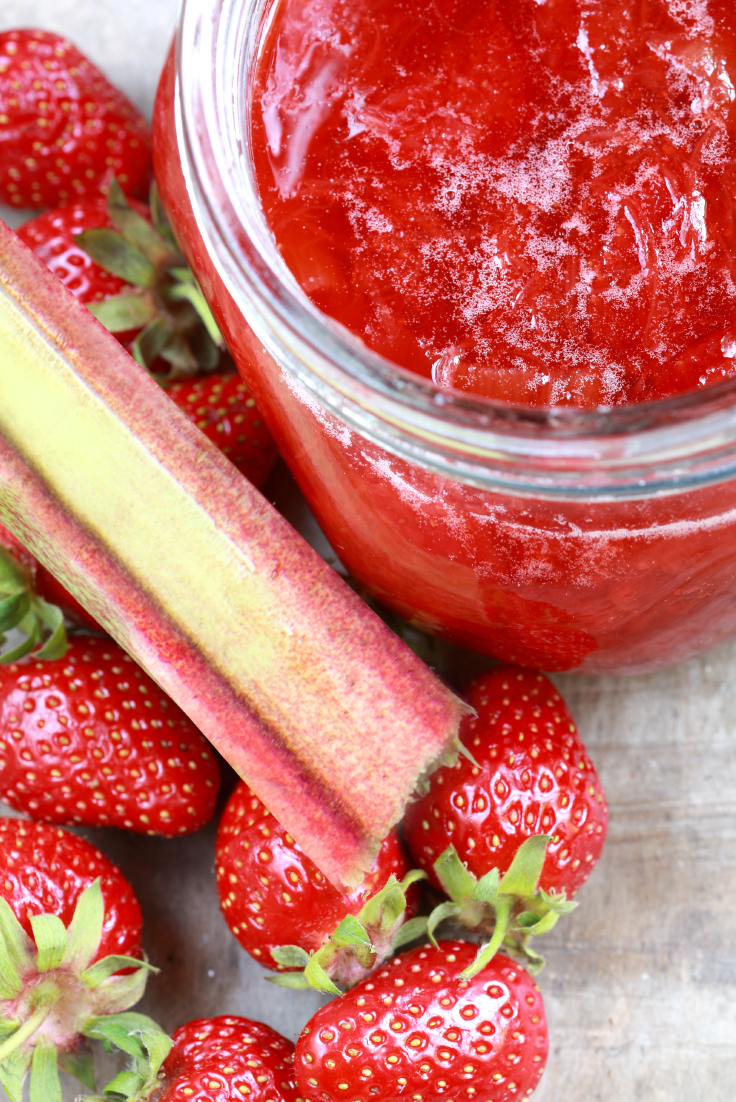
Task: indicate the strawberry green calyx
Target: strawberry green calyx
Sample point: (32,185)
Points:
(52,996)
(175,321)
(511,908)
(147,1045)
(41,623)
(359,945)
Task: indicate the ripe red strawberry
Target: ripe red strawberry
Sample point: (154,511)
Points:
(223,1059)
(415,1030)
(282,909)
(532,776)
(91,739)
(65,131)
(69,925)
(44,870)
(222,407)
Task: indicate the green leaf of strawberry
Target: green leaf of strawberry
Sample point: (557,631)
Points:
(119,256)
(359,943)
(177,324)
(45,1085)
(80,1065)
(41,623)
(142,1039)
(511,907)
(290,956)
(13,1072)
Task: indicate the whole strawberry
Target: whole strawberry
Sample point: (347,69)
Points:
(416,1030)
(65,130)
(282,909)
(69,923)
(223,1059)
(531,775)
(45,870)
(89,738)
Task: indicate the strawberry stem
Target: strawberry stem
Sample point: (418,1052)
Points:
(27,1030)
(504,908)
(359,944)
(514,903)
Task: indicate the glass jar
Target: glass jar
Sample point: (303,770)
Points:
(600,541)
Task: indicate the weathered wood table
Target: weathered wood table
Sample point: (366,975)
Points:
(640,985)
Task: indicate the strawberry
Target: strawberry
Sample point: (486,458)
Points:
(64,129)
(214,1060)
(121,260)
(528,774)
(477,831)
(417,1030)
(45,869)
(89,738)
(69,925)
(282,909)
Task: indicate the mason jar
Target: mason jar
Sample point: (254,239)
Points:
(598,540)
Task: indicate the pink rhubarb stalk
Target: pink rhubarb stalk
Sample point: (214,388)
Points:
(326,713)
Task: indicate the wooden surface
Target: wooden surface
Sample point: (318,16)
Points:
(640,985)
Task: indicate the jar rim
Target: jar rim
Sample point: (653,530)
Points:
(650,448)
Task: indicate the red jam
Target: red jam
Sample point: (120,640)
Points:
(561,174)
(532,200)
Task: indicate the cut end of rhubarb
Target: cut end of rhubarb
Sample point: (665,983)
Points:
(327,714)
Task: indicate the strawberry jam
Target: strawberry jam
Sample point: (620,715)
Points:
(531,200)
(528,199)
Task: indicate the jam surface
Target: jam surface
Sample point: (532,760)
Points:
(532,200)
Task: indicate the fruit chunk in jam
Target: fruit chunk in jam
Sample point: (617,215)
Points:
(527,199)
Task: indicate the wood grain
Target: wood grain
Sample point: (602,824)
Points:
(640,980)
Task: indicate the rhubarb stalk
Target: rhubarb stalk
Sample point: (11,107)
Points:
(327,714)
